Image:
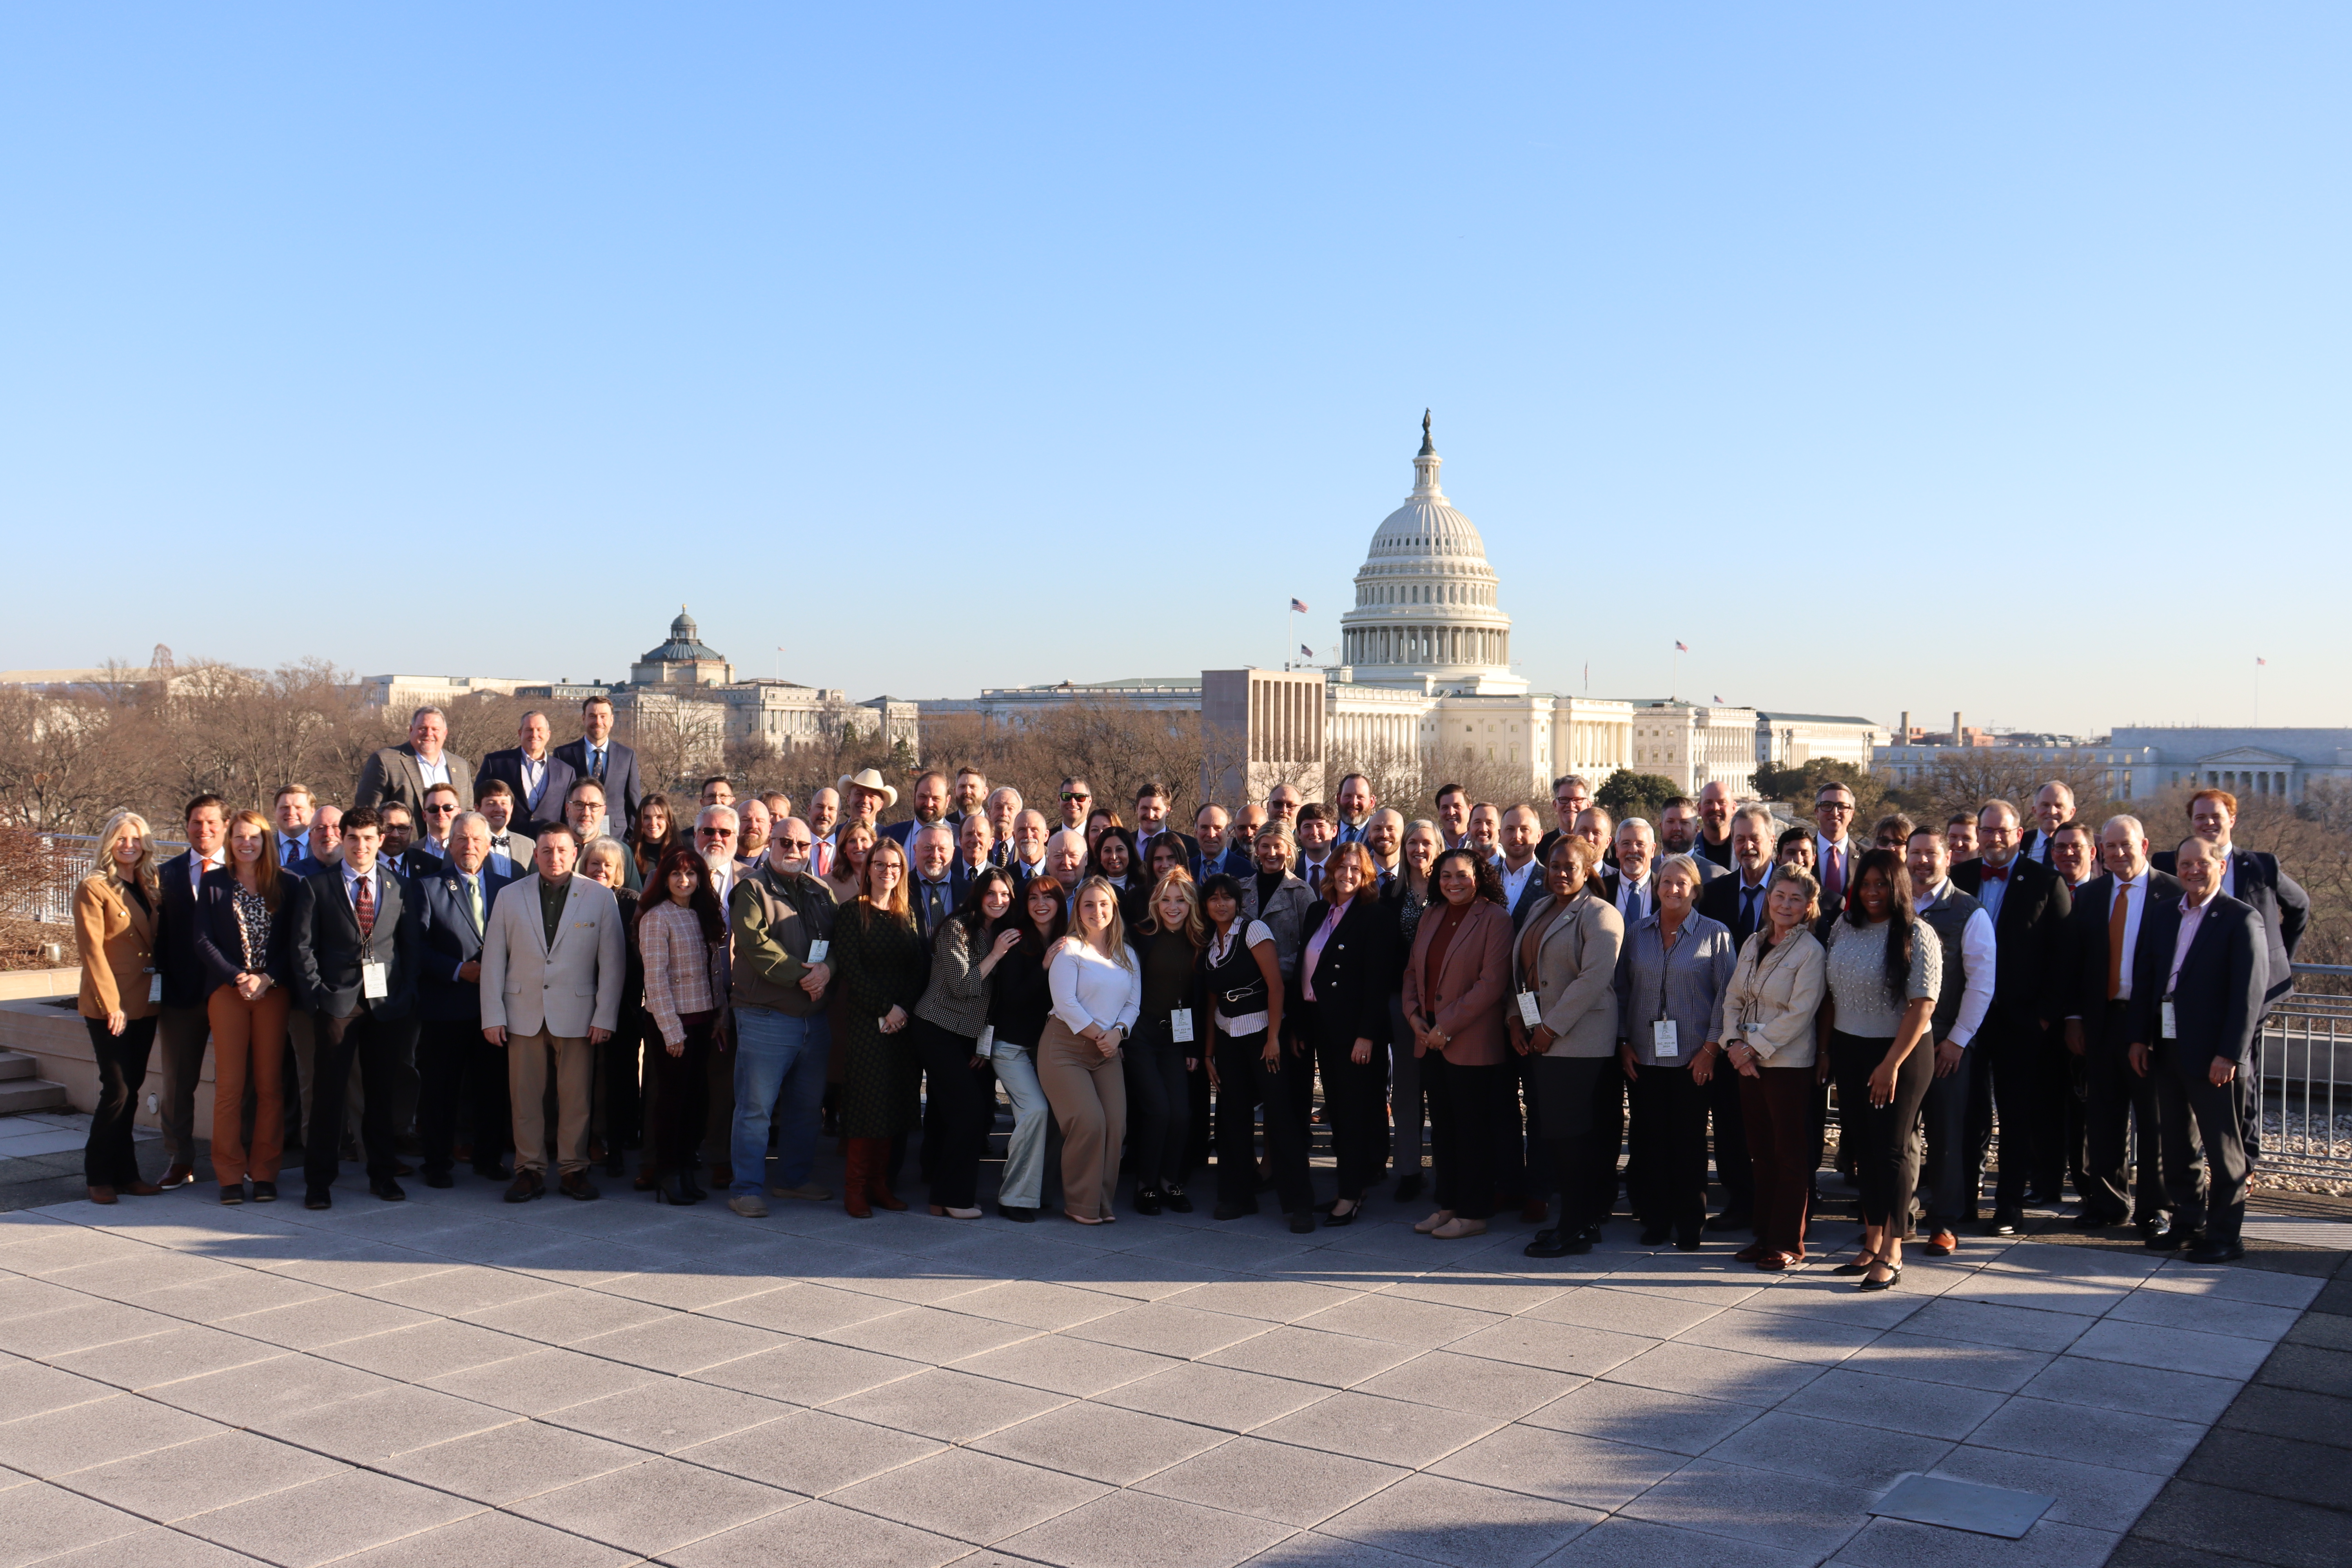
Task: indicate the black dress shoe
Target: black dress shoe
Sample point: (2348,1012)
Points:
(1686,1239)
(388,1190)
(494,1172)
(319,1198)
(265,1192)
(1234,1211)
(2212,1251)
(1147,1202)
(2005,1222)
(1656,1235)
(439,1179)
(402,1168)
(2091,1219)
(1731,1219)
(1407,1187)
(1016,1214)
(2154,1226)
(1560,1243)
(2175,1238)
(1176,1201)
(1303,1223)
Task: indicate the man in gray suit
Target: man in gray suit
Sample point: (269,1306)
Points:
(553,963)
(402,773)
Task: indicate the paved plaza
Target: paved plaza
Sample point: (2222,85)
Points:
(456,1381)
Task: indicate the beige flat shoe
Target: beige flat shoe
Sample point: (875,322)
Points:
(1455,1229)
(1430,1225)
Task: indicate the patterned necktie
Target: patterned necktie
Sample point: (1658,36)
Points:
(2117,917)
(364,904)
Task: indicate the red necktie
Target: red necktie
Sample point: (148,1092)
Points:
(363,905)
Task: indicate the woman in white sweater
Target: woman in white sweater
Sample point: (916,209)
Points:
(1766,1036)
(1097,988)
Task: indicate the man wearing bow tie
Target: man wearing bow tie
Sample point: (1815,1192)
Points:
(2028,1078)
(509,849)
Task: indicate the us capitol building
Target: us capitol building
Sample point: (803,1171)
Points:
(1426,678)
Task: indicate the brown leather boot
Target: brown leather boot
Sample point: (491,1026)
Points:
(877,1177)
(859,1154)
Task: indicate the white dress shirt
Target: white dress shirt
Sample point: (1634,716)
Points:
(434,773)
(1980,953)
(1514,882)
(200,863)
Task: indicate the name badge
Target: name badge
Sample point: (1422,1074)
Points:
(373,984)
(154,990)
(1529,1013)
(987,1041)
(1663,1040)
(2169,1029)
(1179,1026)
(818,950)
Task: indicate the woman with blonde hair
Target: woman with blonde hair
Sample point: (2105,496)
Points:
(878,953)
(1167,1043)
(1098,991)
(241,948)
(114,934)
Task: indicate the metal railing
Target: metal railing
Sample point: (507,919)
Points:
(2306,1050)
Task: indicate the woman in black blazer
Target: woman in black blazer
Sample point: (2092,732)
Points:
(1343,999)
(241,943)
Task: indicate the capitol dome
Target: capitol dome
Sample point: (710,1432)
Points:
(1427,611)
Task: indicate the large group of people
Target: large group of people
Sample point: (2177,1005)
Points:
(532,966)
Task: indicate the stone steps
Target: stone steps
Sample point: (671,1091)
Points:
(20,1091)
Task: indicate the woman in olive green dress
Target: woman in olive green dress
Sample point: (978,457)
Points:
(878,956)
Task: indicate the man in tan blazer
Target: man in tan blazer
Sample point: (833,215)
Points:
(554,958)
(404,773)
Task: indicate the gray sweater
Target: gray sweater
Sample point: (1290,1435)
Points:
(957,998)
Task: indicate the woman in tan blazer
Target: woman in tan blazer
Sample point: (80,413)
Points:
(1564,971)
(1768,1015)
(1455,985)
(114,930)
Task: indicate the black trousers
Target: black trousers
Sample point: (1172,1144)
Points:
(1887,1157)
(2031,1086)
(1733,1166)
(1525,1165)
(1356,1104)
(375,1044)
(684,1097)
(2195,1110)
(1199,1119)
(1468,1115)
(457,1068)
(1668,1144)
(2117,1184)
(1159,1108)
(1949,1172)
(959,1107)
(1243,1077)
(1582,1102)
(108,1159)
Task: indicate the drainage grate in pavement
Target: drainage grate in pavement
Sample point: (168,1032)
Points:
(1962,1505)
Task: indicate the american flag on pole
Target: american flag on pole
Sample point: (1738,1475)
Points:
(1681,647)
(1299,607)
(2260,661)
(1306,652)
(1719,699)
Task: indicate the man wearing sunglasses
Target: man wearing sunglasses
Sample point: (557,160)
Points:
(440,812)
(1077,799)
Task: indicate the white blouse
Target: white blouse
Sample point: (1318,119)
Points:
(1090,989)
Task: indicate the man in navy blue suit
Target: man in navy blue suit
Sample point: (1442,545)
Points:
(455,903)
(2197,1004)
(539,778)
(596,755)
(291,843)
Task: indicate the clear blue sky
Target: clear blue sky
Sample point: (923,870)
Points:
(1991,359)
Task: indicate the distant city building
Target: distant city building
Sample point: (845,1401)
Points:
(2139,761)
(1792,740)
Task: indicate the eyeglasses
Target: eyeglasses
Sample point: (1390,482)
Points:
(1076,795)
(715,832)
(440,810)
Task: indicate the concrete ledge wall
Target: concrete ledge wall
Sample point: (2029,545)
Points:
(57,1040)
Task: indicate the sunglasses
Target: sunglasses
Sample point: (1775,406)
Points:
(1071,794)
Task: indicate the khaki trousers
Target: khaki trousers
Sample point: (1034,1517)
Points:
(527,1073)
(1088,1093)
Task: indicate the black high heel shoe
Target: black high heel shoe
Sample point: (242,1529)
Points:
(1894,1278)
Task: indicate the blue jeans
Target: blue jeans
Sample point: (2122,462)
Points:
(1023,1183)
(779,1071)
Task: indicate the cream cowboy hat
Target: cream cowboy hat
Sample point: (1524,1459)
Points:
(868,779)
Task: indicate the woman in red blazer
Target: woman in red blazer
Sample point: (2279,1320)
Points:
(1456,985)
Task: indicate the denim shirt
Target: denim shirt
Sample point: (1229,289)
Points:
(1693,978)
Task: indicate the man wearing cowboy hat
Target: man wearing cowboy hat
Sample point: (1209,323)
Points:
(866,796)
